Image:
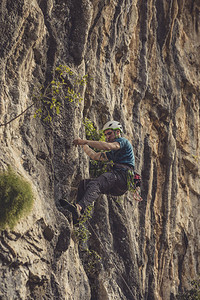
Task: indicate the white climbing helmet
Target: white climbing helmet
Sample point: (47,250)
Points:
(114,125)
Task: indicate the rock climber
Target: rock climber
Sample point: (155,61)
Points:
(117,150)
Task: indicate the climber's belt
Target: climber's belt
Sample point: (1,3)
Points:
(124,166)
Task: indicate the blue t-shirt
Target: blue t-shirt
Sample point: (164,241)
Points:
(124,155)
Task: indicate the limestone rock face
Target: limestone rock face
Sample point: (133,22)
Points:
(142,58)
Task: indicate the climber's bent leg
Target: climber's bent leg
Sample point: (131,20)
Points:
(82,188)
(94,187)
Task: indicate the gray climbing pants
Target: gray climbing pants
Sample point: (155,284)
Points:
(113,183)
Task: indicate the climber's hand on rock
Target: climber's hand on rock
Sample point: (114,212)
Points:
(79,142)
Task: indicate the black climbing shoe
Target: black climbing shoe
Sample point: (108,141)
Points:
(72,208)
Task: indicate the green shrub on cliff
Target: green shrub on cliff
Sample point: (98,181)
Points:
(16,198)
(191,294)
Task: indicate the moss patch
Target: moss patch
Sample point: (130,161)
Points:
(16,198)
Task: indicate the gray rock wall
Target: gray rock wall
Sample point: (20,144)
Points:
(143,58)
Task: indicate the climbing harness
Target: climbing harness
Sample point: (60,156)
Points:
(133,178)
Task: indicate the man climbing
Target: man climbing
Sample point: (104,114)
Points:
(116,149)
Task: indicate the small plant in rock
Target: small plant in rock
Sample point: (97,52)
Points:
(196,158)
(49,99)
(91,131)
(91,261)
(191,294)
(64,87)
(82,234)
(16,198)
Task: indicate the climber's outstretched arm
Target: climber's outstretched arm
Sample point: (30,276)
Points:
(95,155)
(97,144)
